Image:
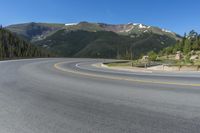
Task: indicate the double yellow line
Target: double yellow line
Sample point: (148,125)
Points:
(57,66)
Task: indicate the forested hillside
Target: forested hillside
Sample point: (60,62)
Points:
(190,41)
(12,46)
(96,40)
(104,44)
(34,31)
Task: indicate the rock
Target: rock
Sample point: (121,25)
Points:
(194,57)
(192,52)
(178,55)
(145,57)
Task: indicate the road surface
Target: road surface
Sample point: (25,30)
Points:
(71,96)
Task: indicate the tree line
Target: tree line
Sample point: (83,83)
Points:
(11,46)
(190,42)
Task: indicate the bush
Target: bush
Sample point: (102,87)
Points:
(152,56)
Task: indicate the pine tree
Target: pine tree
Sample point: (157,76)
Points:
(12,46)
(195,45)
(187,46)
(192,34)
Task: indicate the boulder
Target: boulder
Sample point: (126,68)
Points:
(145,57)
(178,55)
(194,57)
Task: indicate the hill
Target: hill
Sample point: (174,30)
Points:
(11,46)
(34,31)
(187,50)
(86,39)
(103,44)
(130,29)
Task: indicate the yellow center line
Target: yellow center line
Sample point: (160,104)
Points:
(57,66)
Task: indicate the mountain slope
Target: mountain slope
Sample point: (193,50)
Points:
(103,44)
(35,31)
(38,31)
(12,46)
(123,29)
(86,39)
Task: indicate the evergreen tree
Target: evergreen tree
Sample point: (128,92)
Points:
(189,42)
(192,34)
(152,56)
(187,46)
(13,47)
(195,45)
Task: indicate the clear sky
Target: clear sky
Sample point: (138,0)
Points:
(176,15)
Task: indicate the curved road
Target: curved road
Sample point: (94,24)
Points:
(71,96)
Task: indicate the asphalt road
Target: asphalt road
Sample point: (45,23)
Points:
(71,96)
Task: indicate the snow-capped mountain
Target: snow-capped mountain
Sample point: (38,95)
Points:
(124,29)
(39,31)
(85,39)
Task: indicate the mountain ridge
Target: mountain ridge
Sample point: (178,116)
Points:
(87,39)
(42,30)
(11,46)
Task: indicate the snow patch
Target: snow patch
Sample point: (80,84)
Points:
(70,24)
(135,24)
(166,31)
(141,26)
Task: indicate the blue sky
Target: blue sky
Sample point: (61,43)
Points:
(176,15)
